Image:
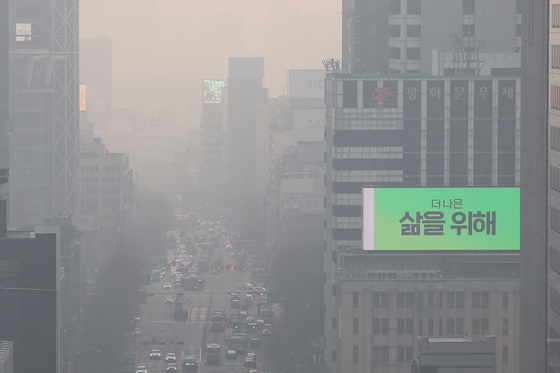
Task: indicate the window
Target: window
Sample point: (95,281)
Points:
(355,299)
(554,100)
(409,354)
(459,326)
(395,7)
(384,326)
(459,299)
(430,300)
(400,299)
(420,329)
(334,289)
(484,299)
(440,300)
(394,31)
(413,31)
(468,6)
(413,53)
(334,322)
(505,326)
(430,326)
(505,300)
(409,326)
(475,326)
(334,356)
(400,354)
(385,299)
(385,354)
(395,53)
(375,355)
(518,30)
(450,299)
(484,326)
(468,31)
(450,326)
(354,326)
(555,56)
(376,326)
(409,299)
(413,6)
(400,326)
(354,354)
(376,302)
(440,326)
(505,354)
(420,300)
(555,14)
(476,299)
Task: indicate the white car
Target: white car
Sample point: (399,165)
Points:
(168,300)
(167,286)
(229,247)
(155,355)
(259,290)
(249,319)
(141,369)
(170,357)
(246,286)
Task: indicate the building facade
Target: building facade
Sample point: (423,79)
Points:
(410,130)
(385,302)
(29,297)
(6,79)
(44,140)
(539,321)
(398,36)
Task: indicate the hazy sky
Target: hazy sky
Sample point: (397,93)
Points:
(193,39)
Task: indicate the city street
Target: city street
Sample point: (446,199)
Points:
(187,338)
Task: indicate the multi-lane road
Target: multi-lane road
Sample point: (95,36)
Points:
(186,338)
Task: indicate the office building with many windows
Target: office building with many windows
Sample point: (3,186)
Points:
(410,131)
(385,302)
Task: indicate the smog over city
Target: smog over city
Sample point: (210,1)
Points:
(319,186)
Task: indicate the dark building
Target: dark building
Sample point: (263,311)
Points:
(540,197)
(29,299)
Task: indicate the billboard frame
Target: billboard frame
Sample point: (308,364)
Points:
(442,251)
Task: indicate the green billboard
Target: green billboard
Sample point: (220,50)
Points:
(440,218)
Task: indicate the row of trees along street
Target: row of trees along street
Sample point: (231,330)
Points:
(107,316)
(297,338)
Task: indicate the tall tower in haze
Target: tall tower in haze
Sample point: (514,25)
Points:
(44,137)
(244,91)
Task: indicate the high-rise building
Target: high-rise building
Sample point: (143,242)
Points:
(540,196)
(398,36)
(44,141)
(6,109)
(244,91)
(410,130)
(96,70)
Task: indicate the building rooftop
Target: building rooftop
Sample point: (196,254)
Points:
(414,76)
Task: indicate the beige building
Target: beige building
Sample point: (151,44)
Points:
(382,313)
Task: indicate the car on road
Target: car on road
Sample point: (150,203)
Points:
(231,354)
(170,357)
(168,300)
(246,286)
(259,290)
(250,362)
(252,355)
(255,343)
(141,369)
(172,368)
(229,247)
(136,332)
(167,286)
(155,354)
(235,304)
(249,319)
(252,371)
